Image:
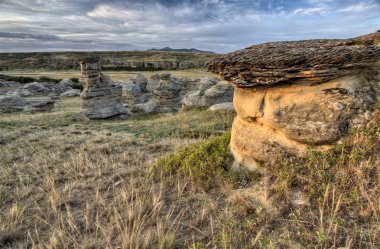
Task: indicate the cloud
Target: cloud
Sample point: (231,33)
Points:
(218,25)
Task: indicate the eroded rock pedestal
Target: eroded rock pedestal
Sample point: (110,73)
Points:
(292,95)
(101,98)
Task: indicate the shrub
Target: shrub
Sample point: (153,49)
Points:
(75,80)
(205,163)
(48,79)
(78,85)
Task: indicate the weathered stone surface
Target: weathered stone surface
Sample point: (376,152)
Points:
(219,93)
(9,84)
(227,106)
(14,103)
(101,98)
(210,92)
(141,82)
(166,97)
(63,86)
(36,88)
(313,61)
(131,92)
(71,93)
(274,118)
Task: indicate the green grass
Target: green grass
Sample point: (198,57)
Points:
(205,163)
(193,124)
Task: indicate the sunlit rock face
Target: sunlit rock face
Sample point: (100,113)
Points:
(101,98)
(292,95)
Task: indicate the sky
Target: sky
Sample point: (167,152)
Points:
(217,25)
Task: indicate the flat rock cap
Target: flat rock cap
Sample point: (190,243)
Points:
(316,61)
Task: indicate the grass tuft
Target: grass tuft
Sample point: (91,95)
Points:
(204,164)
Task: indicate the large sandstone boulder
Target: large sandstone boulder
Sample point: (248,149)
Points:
(101,98)
(131,92)
(210,92)
(292,95)
(166,97)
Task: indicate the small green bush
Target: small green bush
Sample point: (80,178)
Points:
(78,85)
(48,79)
(205,163)
(75,80)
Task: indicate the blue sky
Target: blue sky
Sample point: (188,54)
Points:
(216,25)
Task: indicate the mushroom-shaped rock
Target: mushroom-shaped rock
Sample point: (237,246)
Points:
(101,98)
(290,95)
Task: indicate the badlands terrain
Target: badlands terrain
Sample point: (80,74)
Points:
(92,157)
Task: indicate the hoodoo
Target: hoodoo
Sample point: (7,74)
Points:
(101,98)
(292,95)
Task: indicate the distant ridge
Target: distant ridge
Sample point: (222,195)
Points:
(191,50)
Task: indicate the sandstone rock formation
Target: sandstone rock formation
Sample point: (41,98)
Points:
(227,106)
(14,103)
(290,95)
(101,98)
(36,88)
(71,93)
(210,92)
(141,82)
(166,97)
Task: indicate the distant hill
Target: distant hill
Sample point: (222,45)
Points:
(186,50)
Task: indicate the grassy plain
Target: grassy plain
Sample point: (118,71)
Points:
(165,181)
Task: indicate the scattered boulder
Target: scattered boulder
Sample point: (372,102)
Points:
(63,86)
(41,104)
(210,92)
(101,98)
(14,103)
(219,93)
(166,96)
(131,92)
(292,95)
(36,88)
(71,93)
(9,84)
(227,106)
(141,82)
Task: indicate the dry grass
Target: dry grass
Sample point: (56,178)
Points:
(67,182)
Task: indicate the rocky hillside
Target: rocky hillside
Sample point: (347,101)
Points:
(136,60)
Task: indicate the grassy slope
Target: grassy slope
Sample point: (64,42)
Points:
(69,182)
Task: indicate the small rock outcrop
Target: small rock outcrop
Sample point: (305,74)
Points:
(101,98)
(71,93)
(141,82)
(227,106)
(36,88)
(210,92)
(166,97)
(292,95)
(14,103)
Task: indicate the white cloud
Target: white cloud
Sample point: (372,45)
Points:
(359,7)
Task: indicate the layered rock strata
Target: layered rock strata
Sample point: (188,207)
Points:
(101,98)
(292,95)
